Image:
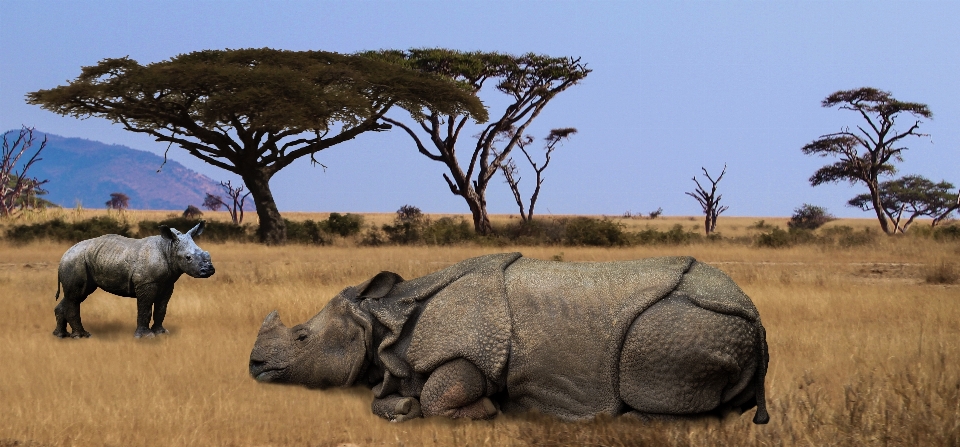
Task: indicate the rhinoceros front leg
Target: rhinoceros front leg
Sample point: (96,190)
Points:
(160,311)
(457,389)
(397,408)
(147,296)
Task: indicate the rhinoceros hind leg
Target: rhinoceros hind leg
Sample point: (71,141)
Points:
(679,358)
(457,389)
(68,311)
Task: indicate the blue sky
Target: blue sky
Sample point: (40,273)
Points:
(675,86)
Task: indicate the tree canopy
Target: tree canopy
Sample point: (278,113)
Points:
(880,142)
(255,111)
(910,197)
(529,81)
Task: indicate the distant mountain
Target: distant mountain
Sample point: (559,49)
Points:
(88,171)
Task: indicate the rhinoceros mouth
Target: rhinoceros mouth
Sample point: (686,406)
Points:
(268,375)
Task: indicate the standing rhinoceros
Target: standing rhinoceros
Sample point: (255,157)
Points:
(660,336)
(145,269)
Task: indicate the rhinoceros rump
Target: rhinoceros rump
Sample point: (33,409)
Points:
(661,336)
(145,269)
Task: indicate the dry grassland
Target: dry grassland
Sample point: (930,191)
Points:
(863,352)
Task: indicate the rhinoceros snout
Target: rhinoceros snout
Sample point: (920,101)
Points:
(207,271)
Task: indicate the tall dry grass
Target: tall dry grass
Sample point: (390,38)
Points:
(863,351)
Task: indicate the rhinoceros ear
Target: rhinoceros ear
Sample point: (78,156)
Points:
(379,286)
(169,233)
(197,230)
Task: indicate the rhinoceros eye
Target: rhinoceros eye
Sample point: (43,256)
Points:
(302,336)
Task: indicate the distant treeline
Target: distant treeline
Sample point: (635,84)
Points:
(421,230)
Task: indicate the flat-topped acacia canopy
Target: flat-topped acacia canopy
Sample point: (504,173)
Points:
(254,111)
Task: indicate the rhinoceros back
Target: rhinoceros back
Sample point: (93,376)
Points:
(115,263)
(569,321)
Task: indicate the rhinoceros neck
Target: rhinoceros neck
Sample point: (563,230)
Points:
(164,259)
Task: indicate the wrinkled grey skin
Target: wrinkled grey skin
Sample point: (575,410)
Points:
(649,338)
(145,269)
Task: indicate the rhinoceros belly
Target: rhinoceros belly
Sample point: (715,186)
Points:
(569,321)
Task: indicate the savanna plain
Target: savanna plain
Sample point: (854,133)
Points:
(864,350)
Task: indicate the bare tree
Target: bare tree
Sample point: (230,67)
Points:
(15,184)
(710,202)
(118,201)
(238,201)
(509,167)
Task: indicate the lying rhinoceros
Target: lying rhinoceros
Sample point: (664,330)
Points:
(660,336)
(145,269)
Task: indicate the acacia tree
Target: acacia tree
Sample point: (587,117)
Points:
(213,202)
(118,201)
(529,81)
(510,171)
(912,196)
(254,111)
(16,187)
(709,201)
(879,142)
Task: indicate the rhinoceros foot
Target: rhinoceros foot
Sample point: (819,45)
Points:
(80,334)
(407,408)
(143,332)
(158,330)
(60,333)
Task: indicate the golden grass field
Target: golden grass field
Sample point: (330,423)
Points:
(863,351)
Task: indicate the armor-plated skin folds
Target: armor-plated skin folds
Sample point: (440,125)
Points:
(652,337)
(145,269)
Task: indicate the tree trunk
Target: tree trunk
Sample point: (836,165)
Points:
(272,230)
(478,207)
(878,207)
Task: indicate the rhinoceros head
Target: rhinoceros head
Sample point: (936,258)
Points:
(332,349)
(190,258)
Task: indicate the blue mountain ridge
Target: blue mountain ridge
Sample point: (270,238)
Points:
(87,172)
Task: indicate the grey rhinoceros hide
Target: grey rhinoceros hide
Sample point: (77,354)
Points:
(145,269)
(660,336)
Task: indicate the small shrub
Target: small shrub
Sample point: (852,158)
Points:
(846,237)
(343,224)
(655,214)
(306,232)
(192,212)
(673,236)
(594,232)
(542,231)
(61,231)
(403,232)
(776,238)
(951,233)
(213,231)
(809,217)
(373,238)
(761,225)
(942,273)
(447,231)
(409,213)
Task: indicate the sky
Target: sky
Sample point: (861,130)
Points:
(676,87)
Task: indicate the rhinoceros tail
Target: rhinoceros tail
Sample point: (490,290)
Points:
(56,298)
(761,417)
